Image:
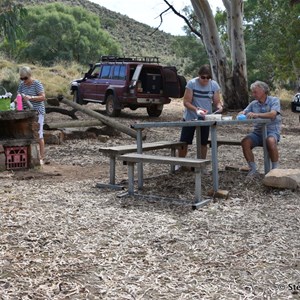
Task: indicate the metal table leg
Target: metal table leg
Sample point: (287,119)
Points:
(266,153)
(198,141)
(214,157)
(112,170)
(139,141)
(130,178)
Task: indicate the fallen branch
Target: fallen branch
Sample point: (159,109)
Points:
(106,120)
(70,113)
(72,124)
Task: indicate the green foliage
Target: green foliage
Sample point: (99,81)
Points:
(191,49)
(272,40)
(132,37)
(10,14)
(56,32)
(272,31)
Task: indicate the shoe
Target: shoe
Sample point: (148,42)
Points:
(252,174)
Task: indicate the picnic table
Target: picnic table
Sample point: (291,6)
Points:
(214,125)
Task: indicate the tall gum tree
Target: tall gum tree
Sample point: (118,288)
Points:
(10,13)
(230,72)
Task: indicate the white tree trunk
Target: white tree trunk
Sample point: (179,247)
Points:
(233,81)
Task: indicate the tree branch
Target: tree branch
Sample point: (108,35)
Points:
(192,29)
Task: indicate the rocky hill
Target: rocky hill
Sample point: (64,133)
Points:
(134,37)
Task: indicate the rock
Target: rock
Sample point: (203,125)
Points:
(54,137)
(103,138)
(219,194)
(283,178)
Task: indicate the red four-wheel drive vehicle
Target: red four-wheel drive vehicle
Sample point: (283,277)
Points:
(132,82)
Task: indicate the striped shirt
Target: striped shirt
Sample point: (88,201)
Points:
(34,89)
(202,96)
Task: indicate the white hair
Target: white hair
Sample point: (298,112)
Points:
(25,72)
(260,84)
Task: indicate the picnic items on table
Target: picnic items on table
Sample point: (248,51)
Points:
(19,102)
(241,117)
(5,100)
(201,112)
(213,117)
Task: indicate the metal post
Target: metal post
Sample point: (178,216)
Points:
(198,195)
(112,170)
(130,178)
(266,153)
(214,157)
(198,141)
(173,153)
(139,141)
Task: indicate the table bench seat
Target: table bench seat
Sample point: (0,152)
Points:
(114,151)
(194,163)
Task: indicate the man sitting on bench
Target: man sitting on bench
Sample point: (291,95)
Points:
(266,107)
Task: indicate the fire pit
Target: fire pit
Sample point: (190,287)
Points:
(18,140)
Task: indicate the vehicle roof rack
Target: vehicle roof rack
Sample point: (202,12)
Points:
(145,59)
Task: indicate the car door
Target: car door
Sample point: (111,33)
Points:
(88,87)
(136,74)
(104,81)
(174,84)
(118,82)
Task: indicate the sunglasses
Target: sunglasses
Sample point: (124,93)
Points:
(204,77)
(23,78)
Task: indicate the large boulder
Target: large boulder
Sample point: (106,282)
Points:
(283,178)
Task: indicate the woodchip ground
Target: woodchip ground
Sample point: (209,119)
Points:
(63,238)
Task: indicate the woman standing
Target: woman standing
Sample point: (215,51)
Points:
(33,91)
(201,93)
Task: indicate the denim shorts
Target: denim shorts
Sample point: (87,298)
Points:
(257,140)
(187,134)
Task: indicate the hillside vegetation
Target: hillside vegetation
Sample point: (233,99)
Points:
(135,38)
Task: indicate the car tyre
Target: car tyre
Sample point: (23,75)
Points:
(77,98)
(111,109)
(153,111)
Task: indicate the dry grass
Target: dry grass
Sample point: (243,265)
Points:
(56,79)
(285,96)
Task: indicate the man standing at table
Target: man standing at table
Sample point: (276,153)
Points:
(201,93)
(265,107)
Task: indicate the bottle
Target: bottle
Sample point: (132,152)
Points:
(241,117)
(19,102)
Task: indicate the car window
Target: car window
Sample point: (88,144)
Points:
(96,72)
(105,72)
(116,72)
(119,72)
(122,74)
